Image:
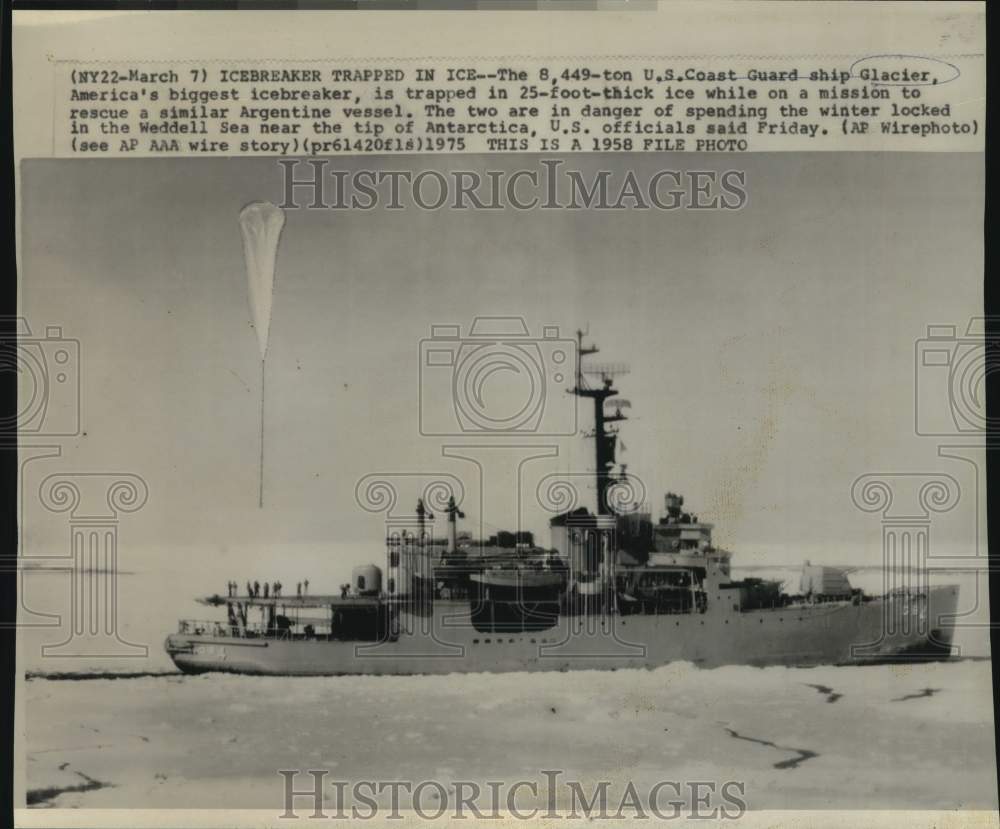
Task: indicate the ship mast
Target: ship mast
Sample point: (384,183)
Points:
(605,438)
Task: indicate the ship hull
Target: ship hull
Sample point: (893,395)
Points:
(444,641)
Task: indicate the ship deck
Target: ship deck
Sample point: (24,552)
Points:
(321,600)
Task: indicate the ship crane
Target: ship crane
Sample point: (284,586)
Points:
(423,516)
(454,513)
(604,437)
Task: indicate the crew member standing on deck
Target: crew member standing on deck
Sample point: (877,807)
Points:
(298,589)
(305,587)
(266,586)
(256,589)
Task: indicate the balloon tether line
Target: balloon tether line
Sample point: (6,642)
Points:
(263,374)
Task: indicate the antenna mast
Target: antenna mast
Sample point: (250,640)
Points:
(604,438)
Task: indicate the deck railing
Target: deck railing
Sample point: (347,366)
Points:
(252,630)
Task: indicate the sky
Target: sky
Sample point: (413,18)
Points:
(771,349)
